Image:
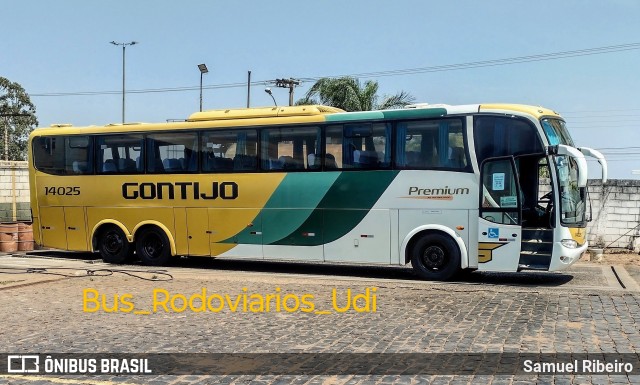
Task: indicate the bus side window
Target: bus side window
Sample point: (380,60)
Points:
(64,155)
(290,149)
(119,153)
(229,150)
(431,144)
(333,148)
(79,155)
(48,153)
(358,146)
(174,152)
(502,136)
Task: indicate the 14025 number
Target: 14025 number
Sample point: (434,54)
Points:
(61,190)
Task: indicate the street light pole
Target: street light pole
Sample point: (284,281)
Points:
(268,90)
(124,46)
(203,70)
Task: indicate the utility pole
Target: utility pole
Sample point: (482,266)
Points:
(6,138)
(248,88)
(290,83)
(124,46)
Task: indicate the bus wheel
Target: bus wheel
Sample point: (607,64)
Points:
(435,257)
(152,246)
(113,245)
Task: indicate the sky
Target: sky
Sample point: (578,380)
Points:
(62,47)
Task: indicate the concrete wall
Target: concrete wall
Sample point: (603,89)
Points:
(14,192)
(616,213)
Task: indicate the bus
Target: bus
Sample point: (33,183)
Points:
(488,187)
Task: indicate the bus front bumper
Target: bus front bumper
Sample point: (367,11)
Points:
(563,256)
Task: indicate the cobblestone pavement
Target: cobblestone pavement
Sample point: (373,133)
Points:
(577,312)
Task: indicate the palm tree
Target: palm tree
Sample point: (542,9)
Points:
(348,94)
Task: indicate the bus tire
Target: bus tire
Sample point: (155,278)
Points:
(435,257)
(113,245)
(153,247)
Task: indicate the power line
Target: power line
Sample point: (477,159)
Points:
(617,160)
(600,127)
(617,148)
(397,72)
(608,121)
(587,116)
(148,90)
(504,61)
(599,110)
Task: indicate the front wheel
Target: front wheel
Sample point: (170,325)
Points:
(435,257)
(152,246)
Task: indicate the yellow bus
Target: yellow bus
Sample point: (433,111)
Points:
(445,188)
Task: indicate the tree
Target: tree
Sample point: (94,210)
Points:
(348,94)
(17,120)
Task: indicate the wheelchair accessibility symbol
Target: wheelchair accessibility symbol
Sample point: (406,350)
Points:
(493,232)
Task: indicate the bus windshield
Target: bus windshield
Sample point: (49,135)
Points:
(572,197)
(556,132)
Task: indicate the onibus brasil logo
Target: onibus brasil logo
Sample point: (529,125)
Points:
(32,364)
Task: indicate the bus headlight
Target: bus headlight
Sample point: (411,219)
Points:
(570,243)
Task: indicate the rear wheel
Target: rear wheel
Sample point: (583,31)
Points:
(435,257)
(152,246)
(113,245)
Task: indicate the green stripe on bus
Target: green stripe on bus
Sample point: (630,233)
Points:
(349,116)
(414,113)
(344,206)
(288,208)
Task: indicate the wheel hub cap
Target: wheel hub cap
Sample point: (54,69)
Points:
(113,243)
(434,257)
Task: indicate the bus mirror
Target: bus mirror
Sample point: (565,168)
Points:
(580,161)
(598,155)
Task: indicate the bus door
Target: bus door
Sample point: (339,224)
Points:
(499,228)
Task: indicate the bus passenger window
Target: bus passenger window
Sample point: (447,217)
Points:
(431,144)
(79,155)
(63,155)
(291,149)
(228,151)
(333,152)
(120,154)
(175,152)
(48,154)
(359,146)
